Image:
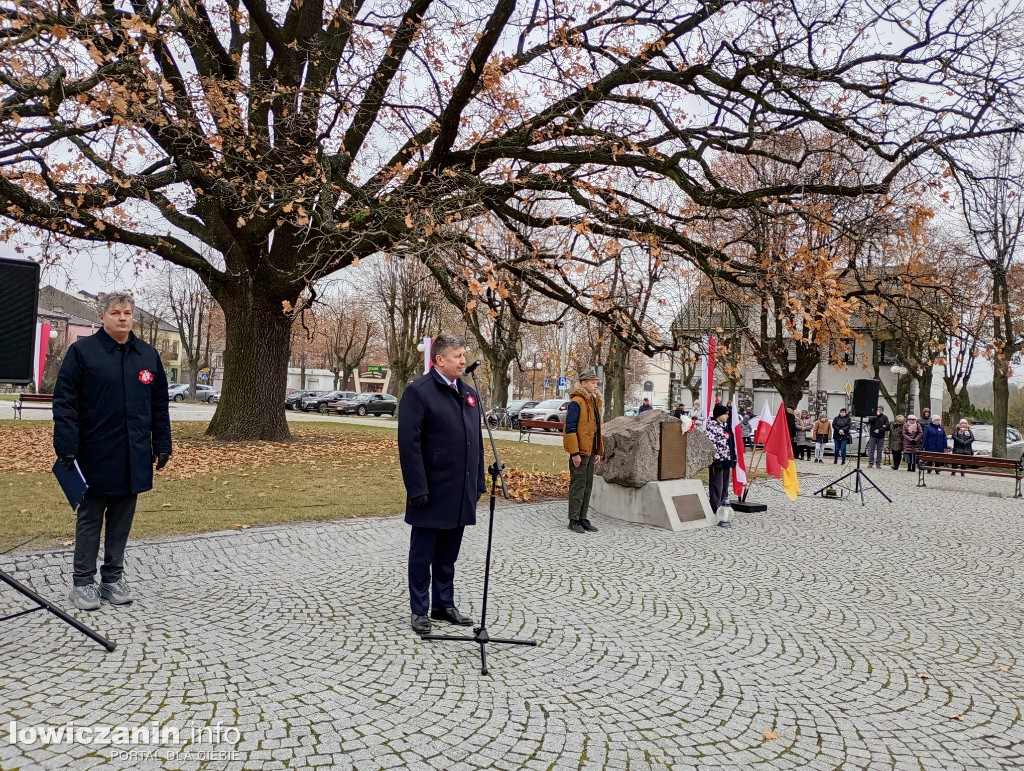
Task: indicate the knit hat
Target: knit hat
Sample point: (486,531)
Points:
(963,422)
(720,409)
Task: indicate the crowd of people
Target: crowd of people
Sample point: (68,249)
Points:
(904,436)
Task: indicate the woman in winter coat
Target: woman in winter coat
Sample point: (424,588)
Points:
(963,442)
(896,441)
(913,436)
(822,432)
(934,440)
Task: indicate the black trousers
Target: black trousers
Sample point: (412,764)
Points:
(119,511)
(718,487)
(432,555)
(897,456)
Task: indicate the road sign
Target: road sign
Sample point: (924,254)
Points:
(204,375)
(547,382)
(563,382)
(849,388)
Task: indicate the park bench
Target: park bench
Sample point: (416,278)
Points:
(981,465)
(32,402)
(527,427)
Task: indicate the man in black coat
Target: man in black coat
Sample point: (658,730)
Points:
(110,415)
(442,457)
(879,427)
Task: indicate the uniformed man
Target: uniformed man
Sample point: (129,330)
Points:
(442,458)
(110,414)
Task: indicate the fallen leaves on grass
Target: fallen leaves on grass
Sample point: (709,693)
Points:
(535,485)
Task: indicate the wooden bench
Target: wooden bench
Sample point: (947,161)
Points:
(32,402)
(527,427)
(976,464)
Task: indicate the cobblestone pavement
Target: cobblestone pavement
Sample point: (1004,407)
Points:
(884,637)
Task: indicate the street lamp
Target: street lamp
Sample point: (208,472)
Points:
(536,366)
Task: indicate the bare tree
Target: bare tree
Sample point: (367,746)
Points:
(407,302)
(991,186)
(348,329)
(196,316)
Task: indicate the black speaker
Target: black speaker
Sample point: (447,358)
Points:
(19,297)
(865,398)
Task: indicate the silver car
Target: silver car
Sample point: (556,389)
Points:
(549,409)
(983,441)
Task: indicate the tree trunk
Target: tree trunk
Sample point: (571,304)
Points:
(500,380)
(615,379)
(924,395)
(255,369)
(1000,408)
(959,401)
(791,390)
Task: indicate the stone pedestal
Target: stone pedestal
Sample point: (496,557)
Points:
(673,504)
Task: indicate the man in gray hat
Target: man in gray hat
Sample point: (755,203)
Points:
(582,440)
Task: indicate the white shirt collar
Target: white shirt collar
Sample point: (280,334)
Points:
(446,380)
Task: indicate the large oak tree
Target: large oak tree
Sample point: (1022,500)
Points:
(291,139)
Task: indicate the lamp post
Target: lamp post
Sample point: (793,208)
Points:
(536,365)
(899,371)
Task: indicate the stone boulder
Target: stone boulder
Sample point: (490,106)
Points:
(632,446)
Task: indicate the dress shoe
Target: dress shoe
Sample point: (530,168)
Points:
(420,624)
(585,524)
(575,526)
(451,615)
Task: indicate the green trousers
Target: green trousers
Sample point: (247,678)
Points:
(581,481)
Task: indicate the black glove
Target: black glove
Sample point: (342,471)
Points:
(420,501)
(67,461)
(161,460)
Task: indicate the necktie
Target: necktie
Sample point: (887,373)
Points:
(455,386)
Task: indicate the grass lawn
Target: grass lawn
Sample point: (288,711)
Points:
(8,397)
(329,471)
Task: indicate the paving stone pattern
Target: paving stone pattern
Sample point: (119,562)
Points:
(815,621)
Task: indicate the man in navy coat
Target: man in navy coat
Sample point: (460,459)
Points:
(110,414)
(442,457)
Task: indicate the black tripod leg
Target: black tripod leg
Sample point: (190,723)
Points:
(877,488)
(513,642)
(47,605)
(483,658)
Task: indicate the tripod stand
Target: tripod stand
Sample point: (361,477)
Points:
(857,474)
(480,635)
(44,604)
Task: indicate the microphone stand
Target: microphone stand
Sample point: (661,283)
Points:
(480,635)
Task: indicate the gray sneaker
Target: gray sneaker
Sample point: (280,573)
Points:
(85,597)
(116,593)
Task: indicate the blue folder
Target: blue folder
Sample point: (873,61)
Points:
(71,482)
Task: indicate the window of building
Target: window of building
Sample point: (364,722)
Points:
(887,352)
(845,351)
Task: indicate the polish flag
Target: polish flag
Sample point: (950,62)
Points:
(707,379)
(739,471)
(764,425)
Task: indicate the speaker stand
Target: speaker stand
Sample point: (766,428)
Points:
(859,477)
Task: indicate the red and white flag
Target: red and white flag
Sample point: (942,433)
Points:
(707,379)
(739,471)
(764,424)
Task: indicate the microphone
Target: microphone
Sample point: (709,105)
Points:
(471,367)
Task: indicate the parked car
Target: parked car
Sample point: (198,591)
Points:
(983,441)
(319,402)
(851,446)
(365,404)
(508,416)
(204,393)
(550,409)
(292,400)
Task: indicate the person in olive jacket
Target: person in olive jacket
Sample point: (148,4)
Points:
(111,417)
(896,441)
(963,442)
(441,452)
(840,434)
